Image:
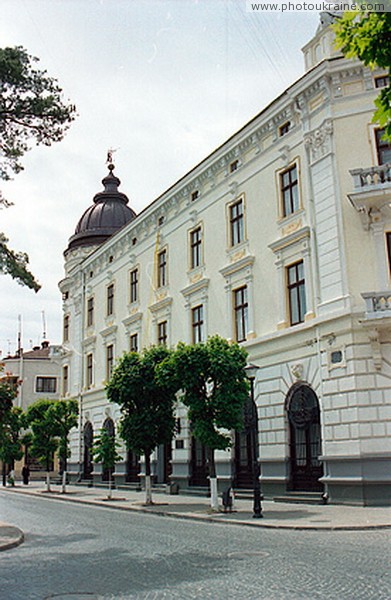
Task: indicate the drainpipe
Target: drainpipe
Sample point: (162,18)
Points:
(326,495)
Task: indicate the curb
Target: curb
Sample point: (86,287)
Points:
(204,518)
(17,534)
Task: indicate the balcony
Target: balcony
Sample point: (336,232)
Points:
(377,322)
(378,305)
(371,195)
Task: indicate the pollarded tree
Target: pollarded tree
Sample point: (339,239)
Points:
(104,451)
(63,414)
(31,108)
(367,35)
(45,434)
(215,388)
(146,402)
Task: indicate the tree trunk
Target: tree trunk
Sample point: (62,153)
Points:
(64,481)
(4,474)
(109,494)
(214,499)
(48,481)
(148,486)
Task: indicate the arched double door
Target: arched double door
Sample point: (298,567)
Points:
(303,411)
(107,474)
(198,464)
(246,447)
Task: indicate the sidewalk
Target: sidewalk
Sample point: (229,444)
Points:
(275,515)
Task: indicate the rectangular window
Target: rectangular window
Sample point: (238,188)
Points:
(110,299)
(134,342)
(162,333)
(383,148)
(289,191)
(109,360)
(283,130)
(195,248)
(162,268)
(46,385)
(382,81)
(134,285)
(241,313)
(89,371)
(296,293)
(234,166)
(65,377)
(236,218)
(197,322)
(194,195)
(90,312)
(66,329)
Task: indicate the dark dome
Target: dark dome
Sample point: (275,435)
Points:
(106,216)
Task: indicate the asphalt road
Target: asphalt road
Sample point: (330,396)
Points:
(74,552)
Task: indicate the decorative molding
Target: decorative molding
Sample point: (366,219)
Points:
(318,142)
(239,265)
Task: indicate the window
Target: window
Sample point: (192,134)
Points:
(162,333)
(296,293)
(161,220)
(90,312)
(236,218)
(241,313)
(197,318)
(195,248)
(162,268)
(134,285)
(109,360)
(89,373)
(383,148)
(46,385)
(194,195)
(110,299)
(382,81)
(289,191)
(234,166)
(284,128)
(134,342)
(65,377)
(66,329)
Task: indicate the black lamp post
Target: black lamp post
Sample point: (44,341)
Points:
(251,425)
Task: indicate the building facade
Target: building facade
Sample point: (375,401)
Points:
(281,240)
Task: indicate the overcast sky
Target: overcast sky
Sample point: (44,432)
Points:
(164,81)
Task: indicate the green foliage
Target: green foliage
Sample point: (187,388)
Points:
(367,35)
(11,440)
(215,388)
(146,400)
(8,393)
(45,436)
(64,415)
(15,264)
(31,108)
(104,450)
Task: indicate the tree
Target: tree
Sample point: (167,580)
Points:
(104,451)
(45,437)
(64,415)
(8,392)
(31,108)
(367,35)
(215,388)
(11,441)
(147,404)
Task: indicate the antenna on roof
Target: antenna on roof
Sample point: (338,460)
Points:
(19,349)
(43,325)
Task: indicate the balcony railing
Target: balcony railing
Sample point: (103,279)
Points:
(378,304)
(371,177)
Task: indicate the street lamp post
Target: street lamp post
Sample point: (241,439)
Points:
(251,425)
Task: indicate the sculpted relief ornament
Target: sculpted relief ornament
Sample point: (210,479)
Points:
(318,142)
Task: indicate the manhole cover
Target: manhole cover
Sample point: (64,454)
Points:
(248,554)
(73,596)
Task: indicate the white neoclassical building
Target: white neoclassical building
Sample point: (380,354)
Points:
(280,239)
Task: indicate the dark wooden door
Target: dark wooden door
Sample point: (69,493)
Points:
(132,467)
(198,465)
(88,437)
(243,475)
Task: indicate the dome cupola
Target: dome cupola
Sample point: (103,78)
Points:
(109,213)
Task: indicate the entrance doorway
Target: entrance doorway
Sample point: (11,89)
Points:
(88,438)
(132,467)
(246,447)
(198,464)
(107,474)
(305,439)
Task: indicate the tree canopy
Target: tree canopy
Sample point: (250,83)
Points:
(31,109)
(367,35)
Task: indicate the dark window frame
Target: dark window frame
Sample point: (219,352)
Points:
(109,360)
(236,222)
(196,247)
(133,342)
(110,300)
(197,323)
(162,268)
(290,190)
(134,286)
(90,311)
(240,304)
(162,335)
(65,380)
(382,148)
(45,384)
(296,292)
(89,369)
(65,334)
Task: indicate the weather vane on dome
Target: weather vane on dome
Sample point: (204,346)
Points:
(110,159)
